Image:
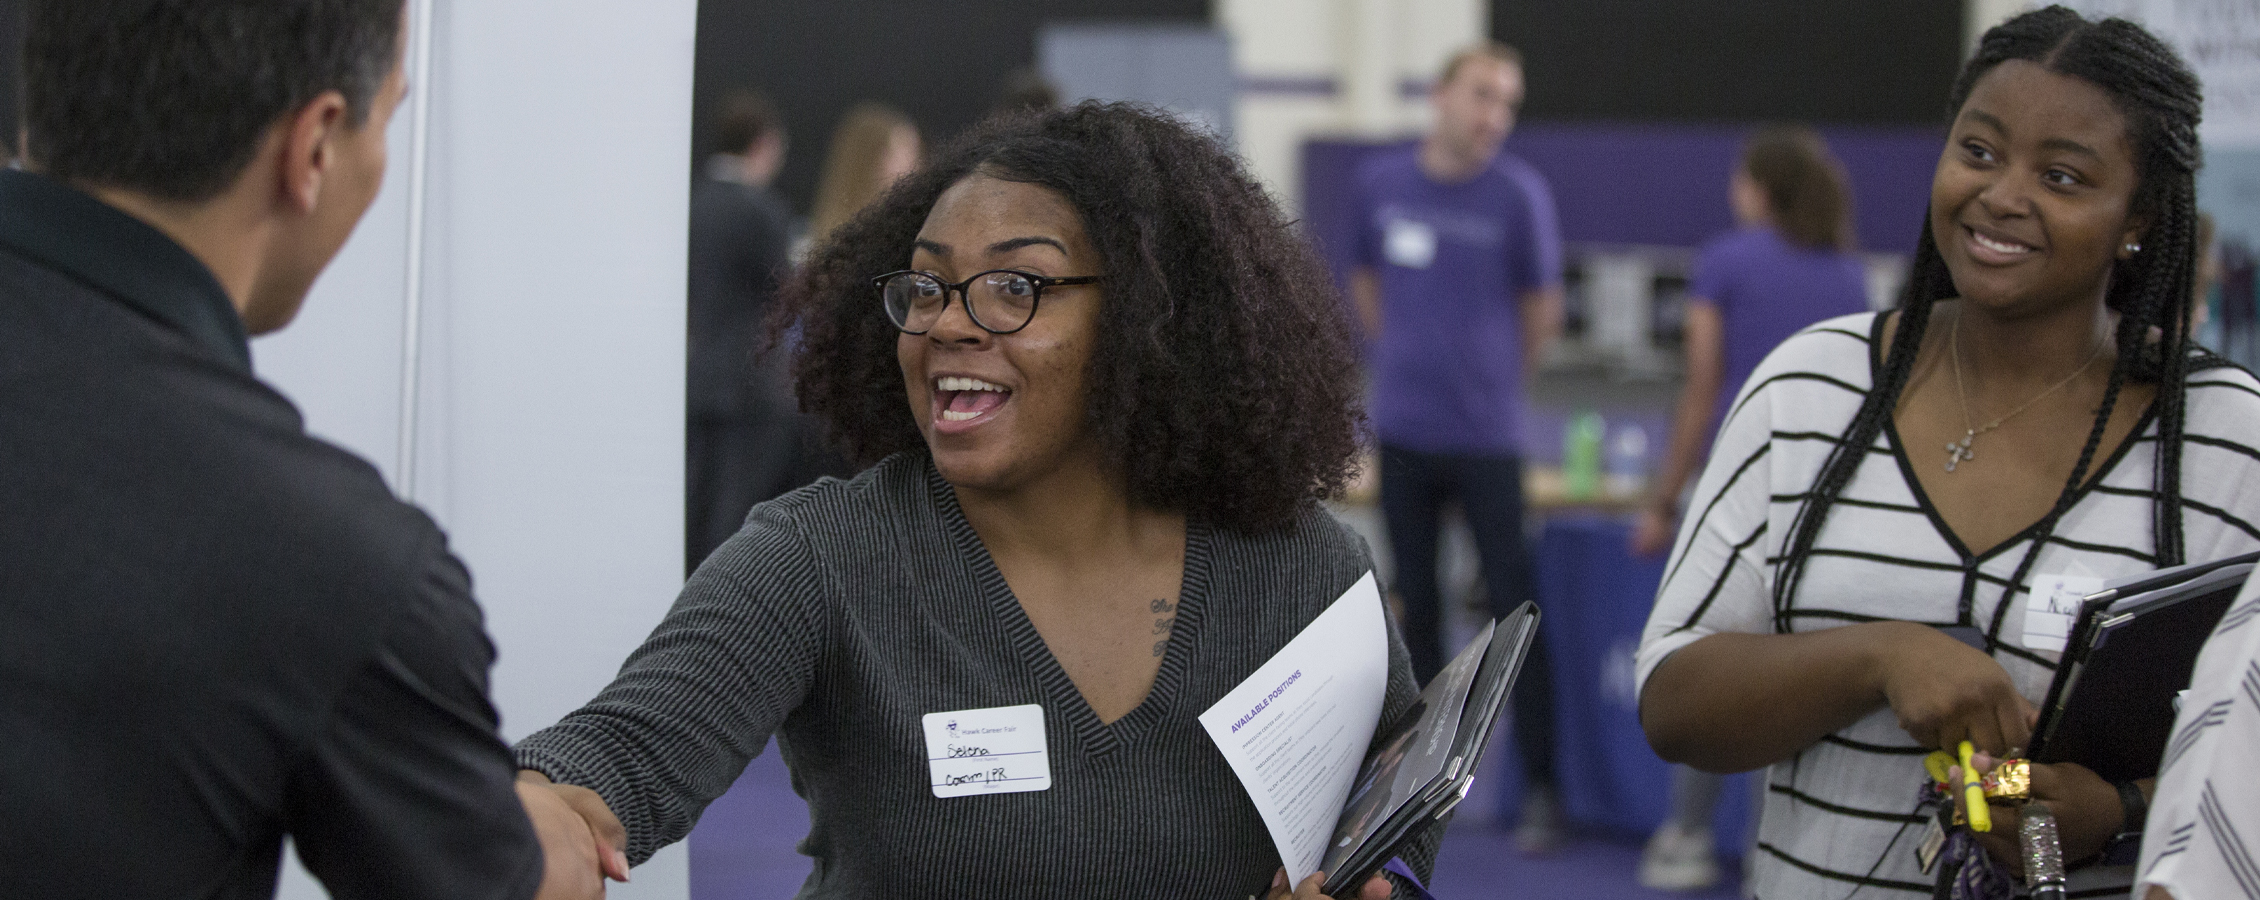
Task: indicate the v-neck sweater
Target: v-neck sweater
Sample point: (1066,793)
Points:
(843,613)
(1840,815)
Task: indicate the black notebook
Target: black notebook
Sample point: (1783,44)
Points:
(1420,770)
(2131,652)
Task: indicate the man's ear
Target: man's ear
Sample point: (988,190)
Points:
(307,151)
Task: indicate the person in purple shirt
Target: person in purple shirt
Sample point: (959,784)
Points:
(1458,288)
(1787,265)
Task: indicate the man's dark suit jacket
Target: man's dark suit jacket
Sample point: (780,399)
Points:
(215,630)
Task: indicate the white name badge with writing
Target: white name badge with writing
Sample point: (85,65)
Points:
(2053,607)
(999,750)
(1408,243)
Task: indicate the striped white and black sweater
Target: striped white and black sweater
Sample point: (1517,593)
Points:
(1840,814)
(2203,837)
(844,612)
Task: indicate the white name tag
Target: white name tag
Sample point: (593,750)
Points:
(999,750)
(1410,244)
(2051,609)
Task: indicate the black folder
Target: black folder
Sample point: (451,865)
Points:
(2131,652)
(1414,776)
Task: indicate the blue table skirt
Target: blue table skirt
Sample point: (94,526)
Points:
(1595,596)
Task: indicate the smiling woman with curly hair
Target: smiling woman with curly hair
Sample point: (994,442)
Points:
(1102,384)
(1224,387)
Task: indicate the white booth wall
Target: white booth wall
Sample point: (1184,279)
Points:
(548,378)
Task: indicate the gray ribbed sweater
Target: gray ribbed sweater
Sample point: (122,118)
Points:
(845,611)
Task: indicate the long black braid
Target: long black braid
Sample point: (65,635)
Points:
(2161,101)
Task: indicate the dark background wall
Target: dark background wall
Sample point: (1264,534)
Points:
(1854,61)
(11,52)
(1834,61)
(1721,61)
(944,64)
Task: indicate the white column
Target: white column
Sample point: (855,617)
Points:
(1284,54)
(1432,32)
(550,391)
(1368,66)
(1335,67)
(1979,15)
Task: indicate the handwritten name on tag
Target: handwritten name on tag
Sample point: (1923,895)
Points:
(999,750)
(2052,607)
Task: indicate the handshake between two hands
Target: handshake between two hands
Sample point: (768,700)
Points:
(582,842)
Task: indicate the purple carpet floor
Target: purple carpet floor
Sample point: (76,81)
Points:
(743,850)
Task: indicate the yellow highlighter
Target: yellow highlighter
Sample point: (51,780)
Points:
(1973,793)
(1936,764)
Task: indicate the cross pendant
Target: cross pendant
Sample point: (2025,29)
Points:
(1958,452)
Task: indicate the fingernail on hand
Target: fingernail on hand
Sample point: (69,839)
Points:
(1279,879)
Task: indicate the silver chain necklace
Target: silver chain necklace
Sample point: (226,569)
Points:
(1958,452)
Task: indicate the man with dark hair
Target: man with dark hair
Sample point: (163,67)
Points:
(215,630)
(744,440)
(1458,286)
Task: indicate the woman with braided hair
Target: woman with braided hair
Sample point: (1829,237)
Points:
(1895,499)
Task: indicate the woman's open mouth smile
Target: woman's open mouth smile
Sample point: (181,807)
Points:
(1996,251)
(962,403)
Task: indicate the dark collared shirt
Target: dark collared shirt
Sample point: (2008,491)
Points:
(215,630)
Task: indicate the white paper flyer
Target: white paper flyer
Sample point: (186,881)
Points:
(1296,730)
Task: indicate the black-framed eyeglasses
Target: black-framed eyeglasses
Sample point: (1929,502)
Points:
(1001,301)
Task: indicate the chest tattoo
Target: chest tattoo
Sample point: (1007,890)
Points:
(1165,617)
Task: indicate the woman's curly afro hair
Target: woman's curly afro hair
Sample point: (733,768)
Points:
(1223,385)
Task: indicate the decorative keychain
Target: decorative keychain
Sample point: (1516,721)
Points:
(1964,870)
(2044,853)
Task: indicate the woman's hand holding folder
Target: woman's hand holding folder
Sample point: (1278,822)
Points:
(1376,888)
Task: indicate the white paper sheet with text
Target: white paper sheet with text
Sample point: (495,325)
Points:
(1296,730)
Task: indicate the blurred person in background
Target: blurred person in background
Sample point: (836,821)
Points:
(1787,265)
(1026,90)
(744,440)
(1103,384)
(1899,504)
(1458,287)
(216,630)
(874,145)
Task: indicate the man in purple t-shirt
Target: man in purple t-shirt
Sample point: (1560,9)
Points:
(1458,287)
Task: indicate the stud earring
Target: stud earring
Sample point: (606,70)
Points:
(2133,249)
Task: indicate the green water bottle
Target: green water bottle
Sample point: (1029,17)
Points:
(1581,455)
